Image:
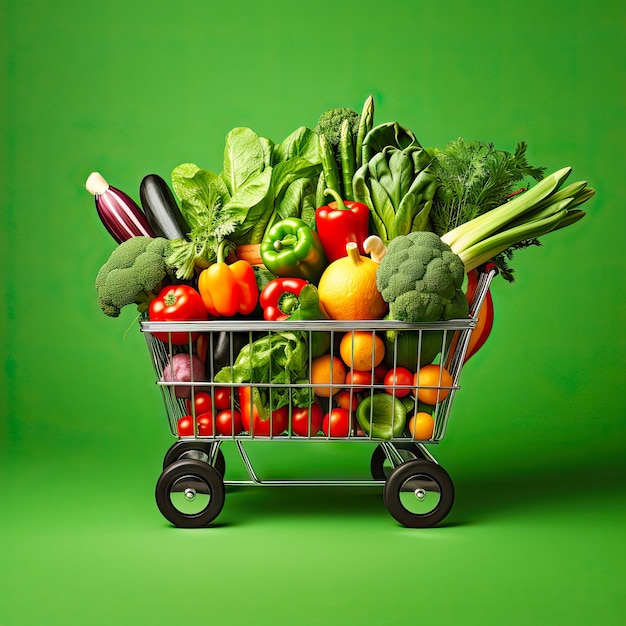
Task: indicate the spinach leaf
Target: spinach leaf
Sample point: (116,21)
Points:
(244,158)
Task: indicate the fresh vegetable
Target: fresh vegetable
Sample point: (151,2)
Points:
(227,422)
(161,208)
(330,123)
(375,247)
(307,421)
(183,368)
(433,383)
(336,423)
(474,177)
(328,374)
(135,270)
(292,249)
(422,426)
(257,418)
(420,277)
(412,349)
(228,289)
(184,426)
(381,416)
(361,349)
(203,402)
(484,323)
(348,289)
(339,223)
(359,380)
(280,297)
(117,211)
(543,208)
(398,381)
(398,188)
(218,349)
(177,303)
(279,358)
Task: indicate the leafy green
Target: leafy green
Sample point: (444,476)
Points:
(279,358)
(398,188)
(474,177)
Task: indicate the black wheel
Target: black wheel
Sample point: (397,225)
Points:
(198,450)
(190,493)
(381,468)
(419,493)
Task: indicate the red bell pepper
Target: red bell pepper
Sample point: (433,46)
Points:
(177,303)
(228,289)
(257,419)
(339,223)
(279,298)
(484,324)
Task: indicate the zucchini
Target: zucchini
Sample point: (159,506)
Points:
(161,209)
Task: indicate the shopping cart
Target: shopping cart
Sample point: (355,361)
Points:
(417,491)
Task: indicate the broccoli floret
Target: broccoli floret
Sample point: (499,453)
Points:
(135,269)
(421,278)
(330,122)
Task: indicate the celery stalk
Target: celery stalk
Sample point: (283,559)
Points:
(476,230)
(484,250)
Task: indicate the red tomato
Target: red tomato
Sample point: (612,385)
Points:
(177,303)
(301,417)
(379,373)
(205,424)
(362,379)
(228,422)
(398,377)
(336,423)
(343,400)
(221,396)
(252,421)
(201,404)
(185,426)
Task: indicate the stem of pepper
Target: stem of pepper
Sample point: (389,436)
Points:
(288,241)
(338,199)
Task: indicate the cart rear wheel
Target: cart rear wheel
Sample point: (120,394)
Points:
(419,493)
(381,468)
(198,450)
(190,493)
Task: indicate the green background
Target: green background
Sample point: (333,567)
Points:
(535,445)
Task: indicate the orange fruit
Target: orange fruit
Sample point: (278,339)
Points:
(347,288)
(327,370)
(432,376)
(362,350)
(422,426)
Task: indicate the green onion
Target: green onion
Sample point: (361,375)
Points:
(540,210)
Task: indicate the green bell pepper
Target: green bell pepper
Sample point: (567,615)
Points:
(293,249)
(382,416)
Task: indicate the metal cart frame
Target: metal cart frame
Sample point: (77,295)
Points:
(417,491)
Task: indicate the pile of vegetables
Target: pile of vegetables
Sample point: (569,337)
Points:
(346,220)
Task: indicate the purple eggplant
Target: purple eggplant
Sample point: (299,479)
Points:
(118,212)
(161,209)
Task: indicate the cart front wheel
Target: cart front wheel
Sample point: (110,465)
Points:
(190,493)
(198,450)
(381,468)
(419,493)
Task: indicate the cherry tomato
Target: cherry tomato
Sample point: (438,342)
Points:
(343,400)
(396,378)
(177,303)
(201,403)
(336,423)
(228,422)
(362,379)
(185,426)
(221,396)
(252,421)
(205,424)
(302,417)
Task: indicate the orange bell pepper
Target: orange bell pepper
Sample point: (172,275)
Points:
(228,289)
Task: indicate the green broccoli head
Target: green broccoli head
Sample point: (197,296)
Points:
(134,270)
(421,278)
(329,125)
